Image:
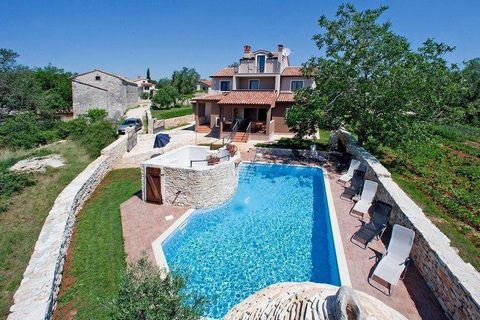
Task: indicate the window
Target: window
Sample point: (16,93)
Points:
(296,85)
(261,64)
(97,78)
(253,85)
(225,85)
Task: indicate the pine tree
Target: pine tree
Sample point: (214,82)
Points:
(148,75)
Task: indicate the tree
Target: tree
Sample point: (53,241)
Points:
(370,81)
(163,82)
(8,59)
(56,89)
(471,78)
(185,80)
(165,97)
(148,75)
(146,294)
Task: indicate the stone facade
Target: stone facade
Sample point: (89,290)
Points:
(35,298)
(103,90)
(178,121)
(455,283)
(200,187)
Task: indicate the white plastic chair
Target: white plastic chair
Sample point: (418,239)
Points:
(366,198)
(395,261)
(354,165)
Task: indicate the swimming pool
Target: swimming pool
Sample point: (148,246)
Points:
(276,228)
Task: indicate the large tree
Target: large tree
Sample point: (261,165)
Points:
(471,78)
(369,80)
(185,80)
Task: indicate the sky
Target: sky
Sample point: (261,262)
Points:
(126,37)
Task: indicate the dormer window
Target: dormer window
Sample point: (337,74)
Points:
(97,78)
(261,63)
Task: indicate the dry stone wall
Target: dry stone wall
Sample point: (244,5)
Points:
(177,121)
(455,283)
(36,296)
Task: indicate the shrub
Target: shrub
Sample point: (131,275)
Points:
(11,182)
(145,294)
(96,136)
(165,97)
(144,95)
(96,114)
(21,131)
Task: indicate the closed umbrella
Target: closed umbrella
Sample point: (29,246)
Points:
(161,140)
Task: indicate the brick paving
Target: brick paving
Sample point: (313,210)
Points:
(142,223)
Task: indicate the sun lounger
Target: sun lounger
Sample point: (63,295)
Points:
(366,198)
(354,165)
(355,187)
(378,223)
(395,261)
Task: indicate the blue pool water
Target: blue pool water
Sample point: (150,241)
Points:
(275,229)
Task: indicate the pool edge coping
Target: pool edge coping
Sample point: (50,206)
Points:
(337,240)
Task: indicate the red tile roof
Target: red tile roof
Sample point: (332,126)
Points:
(250,97)
(225,72)
(286,97)
(292,72)
(209,97)
(206,82)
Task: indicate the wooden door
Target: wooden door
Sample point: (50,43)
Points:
(154,193)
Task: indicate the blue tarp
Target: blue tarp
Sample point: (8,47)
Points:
(161,140)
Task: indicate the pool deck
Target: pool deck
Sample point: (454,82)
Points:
(142,223)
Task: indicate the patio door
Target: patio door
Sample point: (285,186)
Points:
(154,193)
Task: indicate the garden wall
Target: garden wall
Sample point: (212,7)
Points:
(455,283)
(35,298)
(177,121)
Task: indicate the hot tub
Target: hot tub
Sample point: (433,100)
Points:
(184,177)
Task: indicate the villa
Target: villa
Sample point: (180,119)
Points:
(250,100)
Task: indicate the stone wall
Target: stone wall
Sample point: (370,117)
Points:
(455,283)
(200,187)
(109,92)
(175,122)
(36,297)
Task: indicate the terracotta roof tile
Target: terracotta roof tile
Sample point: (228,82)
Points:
(206,82)
(250,97)
(292,72)
(286,97)
(225,72)
(209,97)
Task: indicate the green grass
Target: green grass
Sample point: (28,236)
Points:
(96,257)
(457,233)
(22,221)
(442,174)
(172,112)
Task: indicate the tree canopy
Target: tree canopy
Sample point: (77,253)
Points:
(370,81)
(185,80)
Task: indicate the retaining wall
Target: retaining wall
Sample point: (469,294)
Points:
(175,122)
(36,297)
(455,283)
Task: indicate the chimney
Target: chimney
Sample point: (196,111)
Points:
(246,48)
(280,47)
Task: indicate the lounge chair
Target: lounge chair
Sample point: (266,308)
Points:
(354,165)
(378,223)
(393,264)
(355,187)
(366,198)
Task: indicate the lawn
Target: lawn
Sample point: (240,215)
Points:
(442,175)
(93,267)
(172,112)
(26,210)
(299,144)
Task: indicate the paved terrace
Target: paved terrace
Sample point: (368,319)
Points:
(143,223)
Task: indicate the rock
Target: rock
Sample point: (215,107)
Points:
(346,305)
(38,164)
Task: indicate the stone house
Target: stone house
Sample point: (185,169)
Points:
(145,85)
(203,85)
(250,101)
(102,90)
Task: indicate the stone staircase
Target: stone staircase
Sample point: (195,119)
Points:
(203,128)
(240,137)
